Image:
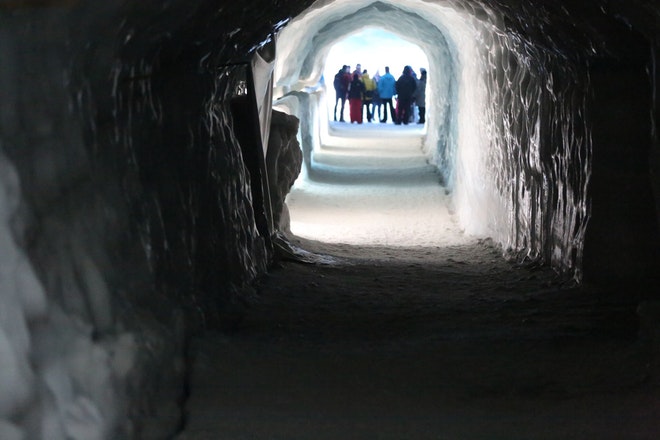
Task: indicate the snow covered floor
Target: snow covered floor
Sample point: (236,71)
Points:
(424,343)
(409,337)
(372,185)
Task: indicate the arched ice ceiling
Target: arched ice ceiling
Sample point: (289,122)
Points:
(451,35)
(446,31)
(439,29)
(512,74)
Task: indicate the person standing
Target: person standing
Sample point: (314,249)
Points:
(386,90)
(375,101)
(341,91)
(369,87)
(405,90)
(355,95)
(358,70)
(420,96)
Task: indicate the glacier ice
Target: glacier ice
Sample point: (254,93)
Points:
(508,138)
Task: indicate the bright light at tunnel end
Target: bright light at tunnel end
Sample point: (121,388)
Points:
(487,92)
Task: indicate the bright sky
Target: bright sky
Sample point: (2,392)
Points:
(374,49)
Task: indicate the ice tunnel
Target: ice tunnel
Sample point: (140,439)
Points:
(491,124)
(141,170)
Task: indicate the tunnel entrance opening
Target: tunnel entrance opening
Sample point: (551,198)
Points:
(373,49)
(496,137)
(371,183)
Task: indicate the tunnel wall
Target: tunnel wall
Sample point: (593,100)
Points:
(623,240)
(128,219)
(597,70)
(572,88)
(541,148)
(519,150)
(87,351)
(508,137)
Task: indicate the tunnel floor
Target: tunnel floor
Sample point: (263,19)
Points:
(373,184)
(425,343)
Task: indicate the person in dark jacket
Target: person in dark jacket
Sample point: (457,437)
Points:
(355,95)
(420,96)
(405,90)
(341,90)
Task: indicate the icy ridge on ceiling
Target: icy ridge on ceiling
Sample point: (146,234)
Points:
(512,141)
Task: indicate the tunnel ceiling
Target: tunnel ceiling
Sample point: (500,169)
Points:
(341,21)
(207,27)
(572,29)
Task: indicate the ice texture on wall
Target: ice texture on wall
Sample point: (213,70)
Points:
(186,177)
(506,112)
(284,162)
(23,302)
(125,212)
(57,382)
(136,220)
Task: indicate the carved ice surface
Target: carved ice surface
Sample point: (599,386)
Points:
(22,301)
(45,355)
(505,111)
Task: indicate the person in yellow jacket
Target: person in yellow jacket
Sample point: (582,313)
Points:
(369,88)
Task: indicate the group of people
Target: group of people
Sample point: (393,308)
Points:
(375,94)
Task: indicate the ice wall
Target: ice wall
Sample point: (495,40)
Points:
(126,211)
(539,150)
(284,161)
(507,130)
(127,217)
(89,329)
(23,304)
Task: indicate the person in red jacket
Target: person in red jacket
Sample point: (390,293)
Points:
(341,81)
(355,95)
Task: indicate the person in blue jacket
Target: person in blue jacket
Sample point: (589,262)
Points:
(386,90)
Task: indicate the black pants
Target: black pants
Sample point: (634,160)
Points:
(367,104)
(341,94)
(375,109)
(405,105)
(386,102)
(422,115)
